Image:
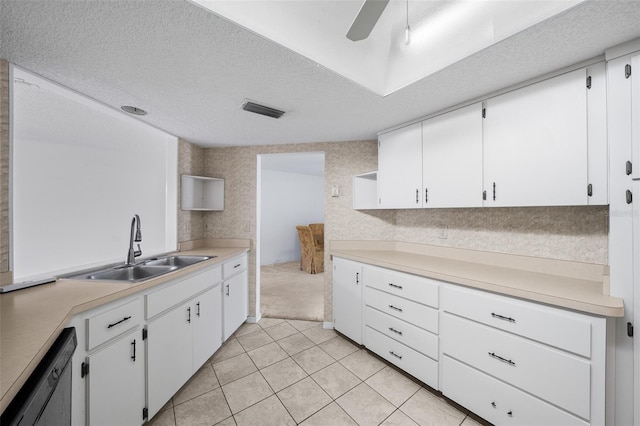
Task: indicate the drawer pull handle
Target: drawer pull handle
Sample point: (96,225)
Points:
(198,310)
(133,356)
(189,314)
(399,287)
(502,317)
(395,331)
(237,266)
(510,413)
(499,358)
(395,354)
(118,322)
(395,309)
(493,404)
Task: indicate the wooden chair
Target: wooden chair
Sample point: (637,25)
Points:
(311,257)
(317,229)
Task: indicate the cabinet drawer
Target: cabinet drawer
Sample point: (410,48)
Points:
(420,289)
(565,330)
(166,297)
(557,377)
(419,366)
(234,266)
(496,401)
(412,312)
(114,322)
(410,335)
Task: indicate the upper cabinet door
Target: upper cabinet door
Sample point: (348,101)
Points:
(452,159)
(598,149)
(535,144)
(400,168)
(635,117)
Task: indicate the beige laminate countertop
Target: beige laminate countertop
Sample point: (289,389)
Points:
(579,286)
(32,318)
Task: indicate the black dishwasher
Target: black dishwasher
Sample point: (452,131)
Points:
(45,398)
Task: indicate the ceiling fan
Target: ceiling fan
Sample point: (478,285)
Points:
(366,19)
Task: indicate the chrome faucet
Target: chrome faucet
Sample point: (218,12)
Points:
(136,236)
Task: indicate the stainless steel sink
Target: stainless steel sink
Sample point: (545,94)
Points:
(177,260)
(131,273)
(148,268)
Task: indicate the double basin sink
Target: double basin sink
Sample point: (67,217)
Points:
(144,270)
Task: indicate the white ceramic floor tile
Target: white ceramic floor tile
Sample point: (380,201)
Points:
(247,328)
(427,409)
(234,368)
(338,347)
(206,409)
(295,343)
(269,322)
(365,405)
(268,412)
(318,334)
(254,340)
(336,380)
(395,387)
(283,374)
(267,355)
(313,359)
(302,325)
(280,331)
(229,349)
(203,381)
(362,364)
(331,415)
(304,399)
(398,418)
(245,392)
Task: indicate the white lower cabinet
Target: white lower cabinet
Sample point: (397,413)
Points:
(347,298)
(234,295)
(178,343)
(115,385)
(510,361)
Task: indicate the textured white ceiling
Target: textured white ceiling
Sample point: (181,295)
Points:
(192,69)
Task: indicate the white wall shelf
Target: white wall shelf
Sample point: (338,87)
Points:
(365,191)
(202,193)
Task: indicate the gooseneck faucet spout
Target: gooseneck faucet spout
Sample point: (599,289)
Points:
(136,235)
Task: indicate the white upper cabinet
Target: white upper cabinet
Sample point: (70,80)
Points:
(535,144)
(452,159)
(598,149)
(635,111)
(400,168)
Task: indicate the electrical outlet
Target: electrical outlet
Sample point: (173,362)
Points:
(443,231)
(335,191)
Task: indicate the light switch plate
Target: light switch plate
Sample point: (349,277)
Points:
(335,191)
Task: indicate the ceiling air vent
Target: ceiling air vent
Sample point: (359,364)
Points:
(262,109)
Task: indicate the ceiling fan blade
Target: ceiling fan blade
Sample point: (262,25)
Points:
(366,19)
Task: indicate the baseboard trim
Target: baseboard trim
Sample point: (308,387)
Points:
(327,325)
(253,320)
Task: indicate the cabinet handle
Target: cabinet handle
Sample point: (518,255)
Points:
(237,266)
(227,289)
(629,197)
(118,322)
(189,314)
(502,317)
(499,358)
(494,191)
(133,344)
(399,287)
(395,331)
(395,354)
(395,309)
(357,278)
(417,196)
(628,168)
(510,413)
(198,310)
(426,195)
(493,404)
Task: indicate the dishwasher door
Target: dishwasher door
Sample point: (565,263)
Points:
(45,398)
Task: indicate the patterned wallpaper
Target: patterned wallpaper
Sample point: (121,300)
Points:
(190,162)
(4,165)
(569,233)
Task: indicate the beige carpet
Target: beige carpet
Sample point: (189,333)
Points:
(289,293)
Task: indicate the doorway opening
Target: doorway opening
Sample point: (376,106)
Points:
(290,193)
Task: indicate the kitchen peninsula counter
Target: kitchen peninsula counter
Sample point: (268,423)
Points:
(32,318)
(579,286)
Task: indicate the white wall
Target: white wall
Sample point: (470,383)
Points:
(288,199)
